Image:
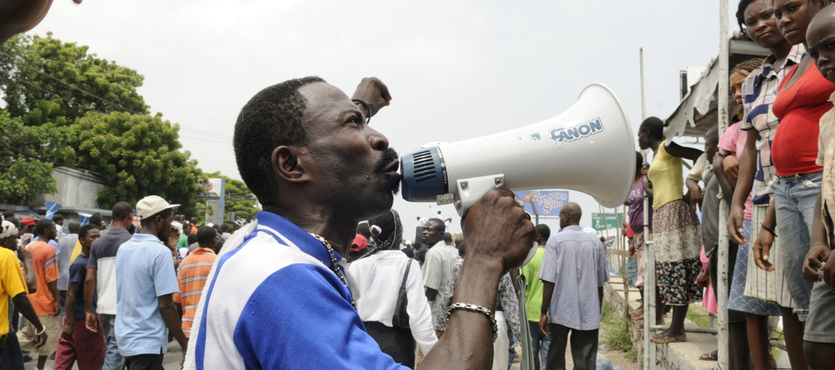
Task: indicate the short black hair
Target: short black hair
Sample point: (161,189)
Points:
(218,245)
(164,214)
(206,236)
(654,127)
(56,217)
(121,211)
(192,238)
(272,118)
(8,214)
(364,229)
(447,238)
(440,223)
(74,226)
(84,229)
(224,227)
(15,221)
(96,219)
(43,225)
(544,231)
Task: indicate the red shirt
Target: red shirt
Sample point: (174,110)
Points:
(799,108)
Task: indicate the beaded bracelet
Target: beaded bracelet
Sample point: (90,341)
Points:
(475,308)
(367,109)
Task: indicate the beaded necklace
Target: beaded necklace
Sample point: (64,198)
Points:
(334,265)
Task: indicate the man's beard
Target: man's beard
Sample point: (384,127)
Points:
(389,155)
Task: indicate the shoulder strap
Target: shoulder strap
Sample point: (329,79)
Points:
(406,274)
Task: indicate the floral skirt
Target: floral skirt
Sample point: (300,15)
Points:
(677,242)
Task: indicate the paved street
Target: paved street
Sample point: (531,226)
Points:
(172,359)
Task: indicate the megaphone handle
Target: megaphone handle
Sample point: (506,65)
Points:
(469,191)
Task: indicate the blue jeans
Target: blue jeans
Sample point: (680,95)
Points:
(10,356)
(795,205)
(540,346)
(113,360)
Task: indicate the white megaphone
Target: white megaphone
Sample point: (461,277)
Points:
(588,148)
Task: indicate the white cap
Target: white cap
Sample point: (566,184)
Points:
(178,225)
(152,205)
(7,229)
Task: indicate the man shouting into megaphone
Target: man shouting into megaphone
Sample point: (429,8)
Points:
(281,299)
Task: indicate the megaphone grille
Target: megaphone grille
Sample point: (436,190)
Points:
(424,166)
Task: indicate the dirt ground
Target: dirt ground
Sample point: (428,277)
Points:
(615,356)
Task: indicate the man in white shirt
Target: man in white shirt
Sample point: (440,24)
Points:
(439,262)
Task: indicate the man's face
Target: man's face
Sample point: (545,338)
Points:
(9,243)
(821,41)
(431,233)
(52,232)
(165,228)
(563,219)
(87,240)
(353,167)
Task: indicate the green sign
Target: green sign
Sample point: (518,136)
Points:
(602,221)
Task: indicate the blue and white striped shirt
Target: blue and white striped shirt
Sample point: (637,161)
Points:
(575,262)
(273,303)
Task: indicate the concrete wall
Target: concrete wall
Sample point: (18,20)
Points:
(76,189)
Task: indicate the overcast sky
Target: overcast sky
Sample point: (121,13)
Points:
(455,69)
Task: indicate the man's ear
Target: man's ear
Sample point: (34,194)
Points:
(289,164)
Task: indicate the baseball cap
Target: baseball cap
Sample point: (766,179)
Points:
(360,242)
(178,225)
(29,221)
(152,205)
(7,229)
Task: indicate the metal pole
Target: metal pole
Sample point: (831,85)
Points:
(722,122)
(623,247)
(206,220)
(649,256)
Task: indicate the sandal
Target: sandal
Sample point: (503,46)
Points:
(712,356)
(666,338)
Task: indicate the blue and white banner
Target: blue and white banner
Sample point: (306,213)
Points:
(51,209)
(84,218)
(543,202)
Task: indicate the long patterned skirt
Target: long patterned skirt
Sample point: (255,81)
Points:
(677,242)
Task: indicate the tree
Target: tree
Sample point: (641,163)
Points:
(24,175)
(137,155)
(35,69)
(65,106)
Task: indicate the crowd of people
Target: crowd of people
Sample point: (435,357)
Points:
(773,166)
(60,286)
(393,280)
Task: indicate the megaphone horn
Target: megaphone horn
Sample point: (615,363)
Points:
(588,148)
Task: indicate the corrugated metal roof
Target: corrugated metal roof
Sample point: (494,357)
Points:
(697,111)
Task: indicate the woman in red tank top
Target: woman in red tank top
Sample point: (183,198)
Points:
(803,97)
